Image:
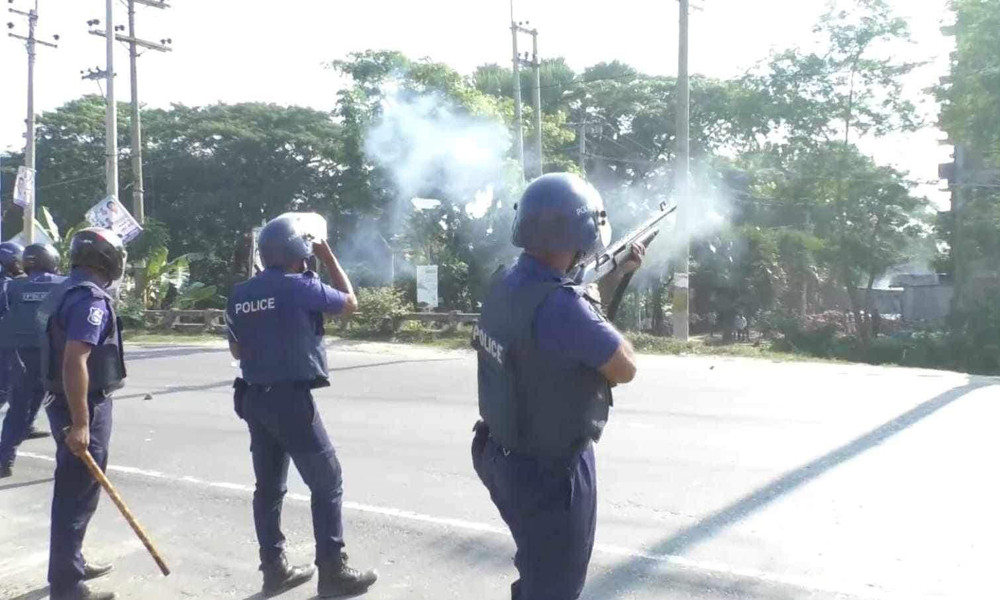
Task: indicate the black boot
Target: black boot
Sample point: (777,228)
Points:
(95,570)
(81,592)
(279,576)
(6,470)
(336,578)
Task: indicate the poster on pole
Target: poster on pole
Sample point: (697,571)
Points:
(24,187)
(110,214)
(427,285)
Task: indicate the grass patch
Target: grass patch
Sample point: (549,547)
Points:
(142,336)
(651,344)
(412,333)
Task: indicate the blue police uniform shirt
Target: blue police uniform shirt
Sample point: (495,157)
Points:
(308,292)
(566,324)
(85,318)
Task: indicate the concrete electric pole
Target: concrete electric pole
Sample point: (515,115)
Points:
(111,113)
(518,114)
(29,138)
(112,33)
(682,294)
(535,64)
(138,205)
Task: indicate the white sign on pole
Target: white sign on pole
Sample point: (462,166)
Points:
(24,187)
(110,214)
(427,285)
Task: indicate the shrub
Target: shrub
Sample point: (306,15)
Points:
(379,308)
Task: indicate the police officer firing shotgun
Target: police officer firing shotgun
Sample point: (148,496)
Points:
(20,332)
(81,364)
(276,332)
(547,361)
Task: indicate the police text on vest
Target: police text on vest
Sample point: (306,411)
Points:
(487,344)
(252,306)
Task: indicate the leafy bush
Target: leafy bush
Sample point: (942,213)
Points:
(379,307)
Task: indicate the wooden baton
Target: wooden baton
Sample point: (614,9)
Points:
(136,527)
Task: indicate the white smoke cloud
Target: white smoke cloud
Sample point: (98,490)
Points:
(431,149)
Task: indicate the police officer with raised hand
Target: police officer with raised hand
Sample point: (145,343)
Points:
(10,269)
(82,364)
(276,332)
(547,361)
(19,331)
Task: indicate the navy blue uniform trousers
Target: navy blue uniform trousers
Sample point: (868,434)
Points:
(9,367)
(75,492)
(284,424)
(25,402)
(550,507)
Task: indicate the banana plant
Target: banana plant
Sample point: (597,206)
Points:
(158,276)
(59,240)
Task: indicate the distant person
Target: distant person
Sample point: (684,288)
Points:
(876,322)
(740,325)
(276,332)
(713,321)
(20,332)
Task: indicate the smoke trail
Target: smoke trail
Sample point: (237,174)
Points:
(430,149)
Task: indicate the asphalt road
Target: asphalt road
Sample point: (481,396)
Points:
(719,478)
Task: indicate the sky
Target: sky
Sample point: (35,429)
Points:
(251,50)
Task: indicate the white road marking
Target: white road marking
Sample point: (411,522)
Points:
(812,584)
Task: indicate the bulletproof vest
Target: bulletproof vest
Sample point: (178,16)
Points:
(533,403)
(106,364)
(19,327)
(279,341)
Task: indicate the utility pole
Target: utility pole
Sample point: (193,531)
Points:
(584,127)
(29,138)
(682,293)
(518,116)
(111,114)
(535,64)
(138,206)
(112,33)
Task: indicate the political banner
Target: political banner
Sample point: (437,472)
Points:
(24,187)
(110,214)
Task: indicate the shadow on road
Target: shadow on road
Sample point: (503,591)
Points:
(33,594)
(629,573)
(177,390)
(229,382)
(390,362)
(14,486)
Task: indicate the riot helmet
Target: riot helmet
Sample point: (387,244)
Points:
(43,258)
(560,212)
(287,240)
(99,249)
(10,258)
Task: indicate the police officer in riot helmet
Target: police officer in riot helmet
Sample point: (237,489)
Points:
(19,331)
(276,332)
(82,364)
(10,268)
(547,361)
